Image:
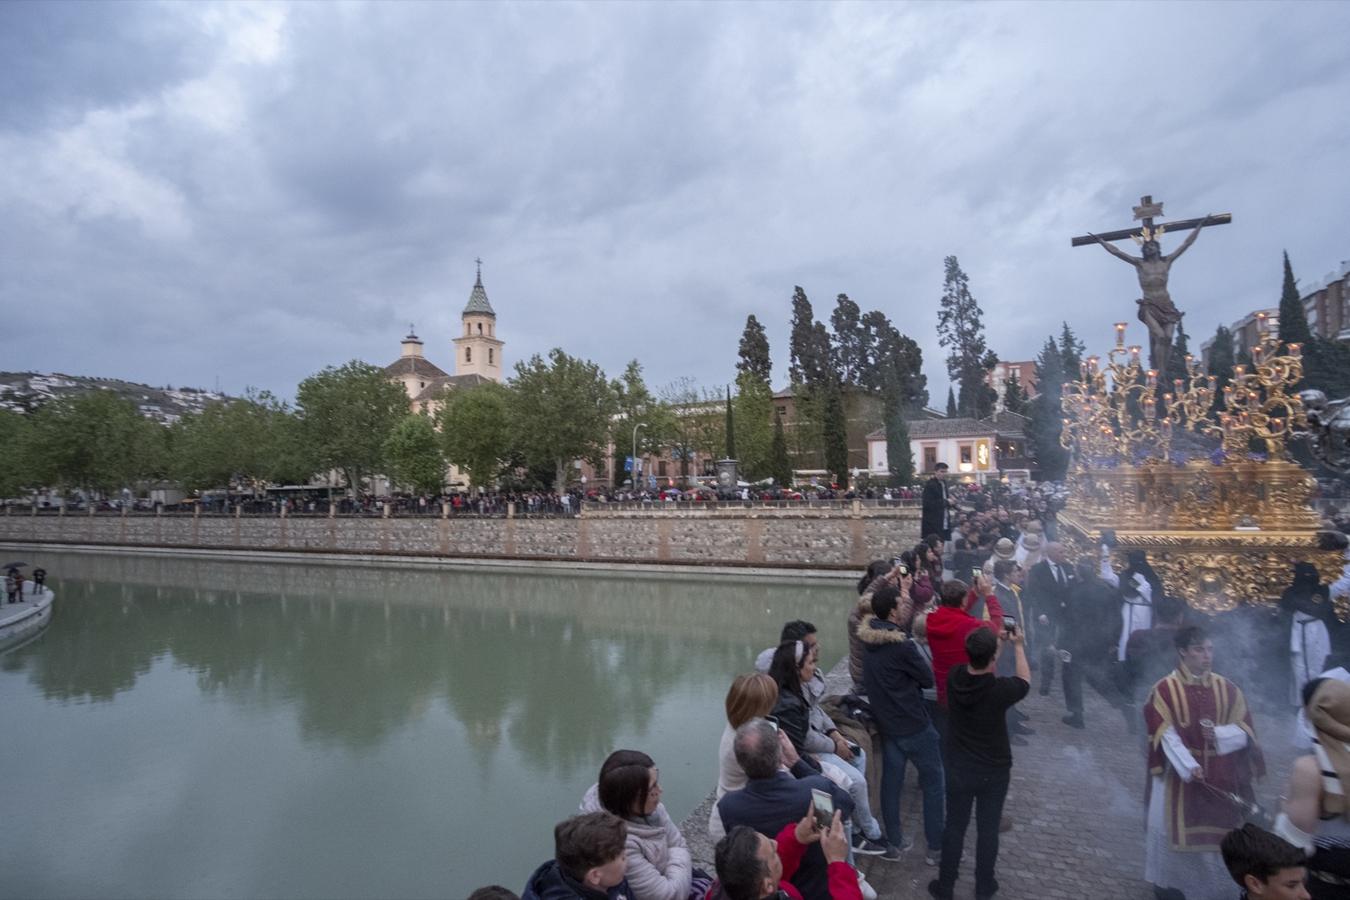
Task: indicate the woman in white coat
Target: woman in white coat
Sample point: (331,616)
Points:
(659,865)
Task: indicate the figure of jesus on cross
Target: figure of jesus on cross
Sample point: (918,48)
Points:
(1156,309)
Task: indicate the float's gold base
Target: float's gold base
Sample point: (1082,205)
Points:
(1219,536)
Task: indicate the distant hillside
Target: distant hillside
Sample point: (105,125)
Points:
(27,391)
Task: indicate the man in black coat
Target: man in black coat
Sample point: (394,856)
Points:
(1046,596)
(936,505)
(1085,637)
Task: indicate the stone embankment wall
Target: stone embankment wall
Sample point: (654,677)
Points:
(845,537)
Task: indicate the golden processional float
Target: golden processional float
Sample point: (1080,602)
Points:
(1222,522)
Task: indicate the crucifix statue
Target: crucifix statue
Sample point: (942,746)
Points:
(1156,309)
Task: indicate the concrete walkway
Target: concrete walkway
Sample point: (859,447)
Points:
(21,621)
(1076,804)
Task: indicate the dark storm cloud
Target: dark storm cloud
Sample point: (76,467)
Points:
(255,192)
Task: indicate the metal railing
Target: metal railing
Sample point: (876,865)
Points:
(673,505)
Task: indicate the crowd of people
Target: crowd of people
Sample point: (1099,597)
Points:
(945,641)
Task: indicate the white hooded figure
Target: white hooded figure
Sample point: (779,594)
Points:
(1309,638)
(1136,612)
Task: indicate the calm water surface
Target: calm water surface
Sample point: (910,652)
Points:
(190,728)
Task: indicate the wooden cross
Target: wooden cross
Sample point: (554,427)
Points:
(1145,211)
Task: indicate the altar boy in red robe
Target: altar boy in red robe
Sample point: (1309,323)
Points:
(1202,757)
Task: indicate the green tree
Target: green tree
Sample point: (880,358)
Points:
(14,437)
(96,441)
(779,465)
(1014,398)
(637,407)
(892,362)
(1293,317)
(753,406)
(1046,420)
(475,431)
(961,331)
(246,441)
(899,454)
(834,426)
(1221,362)
(754,352)
(1176,361)
(413,455)
(730,428)
(848,344)
(1070,351)
(562,412)
(348,413)
(808,344)
(952,412)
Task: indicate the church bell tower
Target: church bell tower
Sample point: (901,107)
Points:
(477,350)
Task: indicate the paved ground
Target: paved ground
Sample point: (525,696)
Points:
(1077,806)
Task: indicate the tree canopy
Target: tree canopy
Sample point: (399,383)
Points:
(347,413)
(562,411)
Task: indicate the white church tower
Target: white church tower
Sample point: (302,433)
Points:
(478,351)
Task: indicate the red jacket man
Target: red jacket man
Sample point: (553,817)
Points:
(949,624)
(780,858)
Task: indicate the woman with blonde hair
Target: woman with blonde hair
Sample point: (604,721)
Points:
(751,696)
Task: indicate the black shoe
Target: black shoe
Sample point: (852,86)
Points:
(1021,729)
(1074,721)
(985,895)
(937,891)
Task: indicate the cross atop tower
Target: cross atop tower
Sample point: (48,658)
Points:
(478,261)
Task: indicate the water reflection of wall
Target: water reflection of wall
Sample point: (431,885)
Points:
(554,665)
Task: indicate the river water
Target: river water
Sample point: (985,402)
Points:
(199,728)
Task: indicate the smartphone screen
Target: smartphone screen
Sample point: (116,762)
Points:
(1009,623)
(976,573)
(823,805)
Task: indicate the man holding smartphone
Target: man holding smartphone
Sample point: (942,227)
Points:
(979,755)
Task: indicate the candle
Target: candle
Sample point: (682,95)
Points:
(1120,333)
(1256,354)
(1296,350)
(1153,378)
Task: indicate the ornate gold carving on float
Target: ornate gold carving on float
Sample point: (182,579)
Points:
(1220,531)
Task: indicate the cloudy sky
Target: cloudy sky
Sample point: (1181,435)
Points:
(191,191)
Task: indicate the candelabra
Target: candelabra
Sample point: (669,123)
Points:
(1222,526)
(1114,414)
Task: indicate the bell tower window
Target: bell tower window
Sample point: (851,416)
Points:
(480,327)
(490,356)
(468,354)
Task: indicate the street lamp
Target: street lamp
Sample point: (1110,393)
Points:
(635,462)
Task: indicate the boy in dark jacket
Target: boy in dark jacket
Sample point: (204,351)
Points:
(895,675)
(588,861)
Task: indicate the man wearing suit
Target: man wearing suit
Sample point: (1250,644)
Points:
(936,505)
(1047,598)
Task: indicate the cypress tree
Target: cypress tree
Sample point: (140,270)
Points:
(779,466)
(1047,414)
(1014,398)
(951,404)
(1293,317)
(754,352)
(835,427)
(961,331)
(899,454)
(1221,361)
(731,428)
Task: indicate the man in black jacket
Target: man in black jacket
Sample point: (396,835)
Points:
(1046,596)
(1085,640)
(979,756)
(772,798)
(895,675)
(936,505)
